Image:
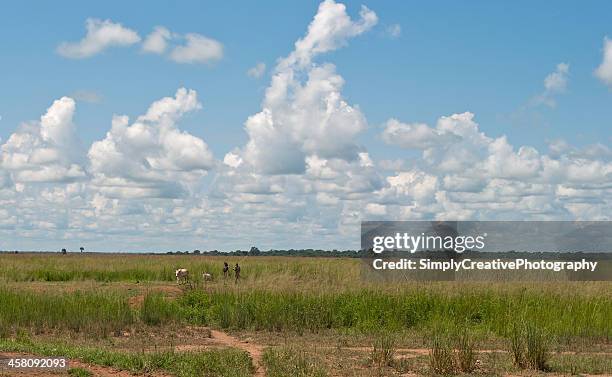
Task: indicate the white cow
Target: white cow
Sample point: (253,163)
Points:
(182,275)
(206,276)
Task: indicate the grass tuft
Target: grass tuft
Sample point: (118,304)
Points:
(383,350)
(441,359)
(465,351)
(529,345)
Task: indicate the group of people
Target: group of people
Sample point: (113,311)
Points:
(226,271)
(182,274)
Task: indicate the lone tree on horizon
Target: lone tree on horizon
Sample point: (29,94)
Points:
(254,251)
(82,249)
(63,251)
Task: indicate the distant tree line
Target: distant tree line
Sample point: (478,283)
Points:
(434,254)
(254,251)
(349,253)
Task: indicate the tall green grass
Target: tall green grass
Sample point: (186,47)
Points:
(369,311)
(157,310)
(564,316)
(90,312)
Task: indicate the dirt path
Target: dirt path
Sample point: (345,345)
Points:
(255,350)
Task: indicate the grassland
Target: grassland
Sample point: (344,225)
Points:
(314,314)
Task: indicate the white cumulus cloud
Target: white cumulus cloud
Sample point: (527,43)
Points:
(45,151)
(330,29)
(304,113)
(101,34)
(151,157)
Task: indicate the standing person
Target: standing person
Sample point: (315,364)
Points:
(225,270)
(237,272)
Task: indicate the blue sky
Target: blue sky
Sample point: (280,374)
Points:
(486,58)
